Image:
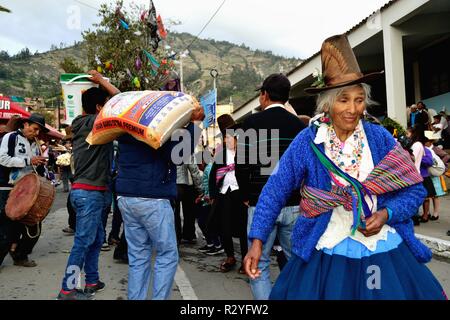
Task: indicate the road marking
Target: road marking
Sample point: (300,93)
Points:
(184,285)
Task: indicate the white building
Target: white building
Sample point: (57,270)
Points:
(409,40)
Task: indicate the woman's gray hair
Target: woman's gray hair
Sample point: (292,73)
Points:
(326,100)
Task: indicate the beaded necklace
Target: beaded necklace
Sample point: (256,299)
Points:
(348,162)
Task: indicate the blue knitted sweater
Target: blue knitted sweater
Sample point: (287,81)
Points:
(300,165)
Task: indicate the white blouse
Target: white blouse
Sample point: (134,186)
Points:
(229,181)
(340,225)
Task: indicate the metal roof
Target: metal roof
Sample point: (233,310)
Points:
(384,7)
(387,5)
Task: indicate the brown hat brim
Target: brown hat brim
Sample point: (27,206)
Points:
(366,78)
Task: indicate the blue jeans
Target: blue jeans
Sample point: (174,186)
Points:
(89,236)
(149,225)
(262,286)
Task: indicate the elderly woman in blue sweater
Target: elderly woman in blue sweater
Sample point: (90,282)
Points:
(354,238)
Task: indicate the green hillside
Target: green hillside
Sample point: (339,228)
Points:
(240,69)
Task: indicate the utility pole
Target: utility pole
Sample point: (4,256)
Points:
(59,115)
(183,55)
(214,74)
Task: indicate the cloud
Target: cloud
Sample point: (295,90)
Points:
(285,27)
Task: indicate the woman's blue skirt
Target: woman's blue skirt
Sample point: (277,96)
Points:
(351,272)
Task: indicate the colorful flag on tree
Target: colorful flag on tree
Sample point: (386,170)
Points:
(162,31)
(153,62)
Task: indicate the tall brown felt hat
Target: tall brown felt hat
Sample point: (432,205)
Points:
(339,66)
(225,122)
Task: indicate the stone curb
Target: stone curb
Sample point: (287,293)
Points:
(439,247)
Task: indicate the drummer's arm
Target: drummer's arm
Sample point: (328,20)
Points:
(11,162)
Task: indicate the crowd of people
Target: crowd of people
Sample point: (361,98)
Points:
(338,196)
(427,138)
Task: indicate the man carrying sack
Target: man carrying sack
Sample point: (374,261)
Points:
(18,154)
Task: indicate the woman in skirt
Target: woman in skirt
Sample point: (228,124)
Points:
(359,189)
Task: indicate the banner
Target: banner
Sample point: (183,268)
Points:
(162,31)
(209,101)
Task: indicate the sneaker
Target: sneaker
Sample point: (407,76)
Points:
(92,289)
(105,247)
(206,248)
(215,251)
(73,295)
(68,230)
(25,263)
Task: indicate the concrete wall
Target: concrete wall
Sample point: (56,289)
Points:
(439,102)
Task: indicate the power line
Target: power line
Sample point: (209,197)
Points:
(87,5)
(206,25)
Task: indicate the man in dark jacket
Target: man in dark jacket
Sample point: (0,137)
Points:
(92,174)
(422,120)
(145,186)
(274,128)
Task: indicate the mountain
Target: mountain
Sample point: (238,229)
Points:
(240,68)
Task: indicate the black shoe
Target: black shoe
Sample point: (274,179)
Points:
(92,289)
(205,248)
(74,295)
(433,218)
(191,241)
(215,251)
(68,231)
(121,258)
(416,220)
(25,263)
(113,241)
(448,233)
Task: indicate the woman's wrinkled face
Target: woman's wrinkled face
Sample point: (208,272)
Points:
(348,108)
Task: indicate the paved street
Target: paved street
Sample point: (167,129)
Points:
(198,276)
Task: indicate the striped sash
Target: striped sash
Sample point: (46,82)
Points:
(220,174)
(395,171)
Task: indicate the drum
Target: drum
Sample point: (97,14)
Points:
(30,200)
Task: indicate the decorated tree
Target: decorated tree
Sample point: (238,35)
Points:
(126,47)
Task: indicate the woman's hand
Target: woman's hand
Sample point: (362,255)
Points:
(375,223)
(252,258)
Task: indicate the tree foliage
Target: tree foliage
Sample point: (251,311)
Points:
(121,51)
(24,54)
(69,65)
(50,118)
(392,123)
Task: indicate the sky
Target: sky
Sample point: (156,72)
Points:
(291,28)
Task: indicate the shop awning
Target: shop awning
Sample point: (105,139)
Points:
(9,108)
